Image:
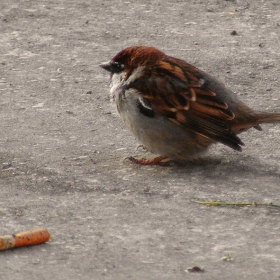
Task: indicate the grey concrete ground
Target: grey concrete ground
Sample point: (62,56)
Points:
(62,149)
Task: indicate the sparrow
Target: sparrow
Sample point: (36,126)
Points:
(174,109)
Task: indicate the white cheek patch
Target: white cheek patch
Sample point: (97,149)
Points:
(137,73)
(116,81)
(118,78)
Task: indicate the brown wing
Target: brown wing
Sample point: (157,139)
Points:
(179,92)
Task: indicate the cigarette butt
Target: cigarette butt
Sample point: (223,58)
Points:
(25,238)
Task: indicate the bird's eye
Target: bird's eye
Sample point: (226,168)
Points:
(116,67)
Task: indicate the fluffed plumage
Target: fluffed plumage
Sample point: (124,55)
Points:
(175,109)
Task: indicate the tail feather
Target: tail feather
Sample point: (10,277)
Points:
(253,119)
(263,117)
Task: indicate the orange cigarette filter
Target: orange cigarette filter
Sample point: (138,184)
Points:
(25,238)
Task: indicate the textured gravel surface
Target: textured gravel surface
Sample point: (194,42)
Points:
(62,148)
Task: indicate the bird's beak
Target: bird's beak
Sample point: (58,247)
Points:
(106,65)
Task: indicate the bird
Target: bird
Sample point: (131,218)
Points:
(174,109)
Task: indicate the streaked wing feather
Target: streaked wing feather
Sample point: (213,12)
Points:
(179,92)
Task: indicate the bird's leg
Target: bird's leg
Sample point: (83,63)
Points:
(144,149)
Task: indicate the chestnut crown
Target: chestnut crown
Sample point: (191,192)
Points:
(133,57)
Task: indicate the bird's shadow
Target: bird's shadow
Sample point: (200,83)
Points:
(237,166)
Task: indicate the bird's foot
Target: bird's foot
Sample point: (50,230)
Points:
(158,160)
